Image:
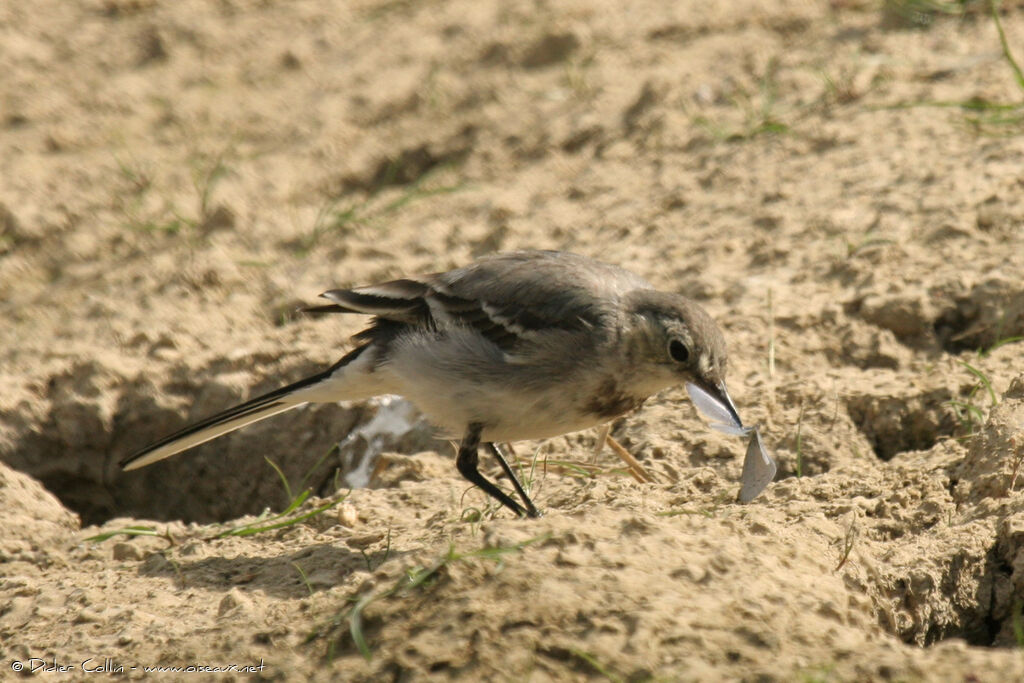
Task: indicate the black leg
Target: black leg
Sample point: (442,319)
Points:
(531,510)
(467,461)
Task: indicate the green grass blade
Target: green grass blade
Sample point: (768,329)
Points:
(296,502)
(1017,621)
(355,627)
(1018,74)
(280,475)
(249,530)
(1001,342)
(572,469)
(597,666)
(675,513)
(320,461)
(415,577)
(129,531)
(983,379)
(305,579)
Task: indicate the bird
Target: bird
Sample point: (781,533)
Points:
(513,346)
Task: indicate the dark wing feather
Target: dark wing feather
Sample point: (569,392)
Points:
(327,308)
(507,297)
(398,300)
(512,296)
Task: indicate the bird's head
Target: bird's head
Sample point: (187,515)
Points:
(674,341)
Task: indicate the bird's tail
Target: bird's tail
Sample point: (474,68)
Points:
(314,388)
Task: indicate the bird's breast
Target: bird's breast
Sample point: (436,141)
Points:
(610,400)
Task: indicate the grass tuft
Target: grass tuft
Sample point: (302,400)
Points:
(336,218)
(387,554)
(302,575)
(206,175)
(419,577)
(969,412)
(983,115)
(264,522)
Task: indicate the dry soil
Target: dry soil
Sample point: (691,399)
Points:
(840,184)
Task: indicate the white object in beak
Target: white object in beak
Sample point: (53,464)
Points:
(758,468)
(715,411)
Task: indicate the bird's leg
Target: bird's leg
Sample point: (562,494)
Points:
(531,510)
(635,468)
(468,459)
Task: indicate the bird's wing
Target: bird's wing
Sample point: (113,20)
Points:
(399,300)
(515,296)
(506,298)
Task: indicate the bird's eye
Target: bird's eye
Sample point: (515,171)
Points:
(678,351)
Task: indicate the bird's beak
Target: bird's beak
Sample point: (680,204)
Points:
(714,401)
(722,394)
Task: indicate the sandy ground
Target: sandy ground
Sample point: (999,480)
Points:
(176,176)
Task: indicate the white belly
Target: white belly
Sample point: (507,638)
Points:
(461,382)
(507,415)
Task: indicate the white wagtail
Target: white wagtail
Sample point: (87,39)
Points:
(522,345)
